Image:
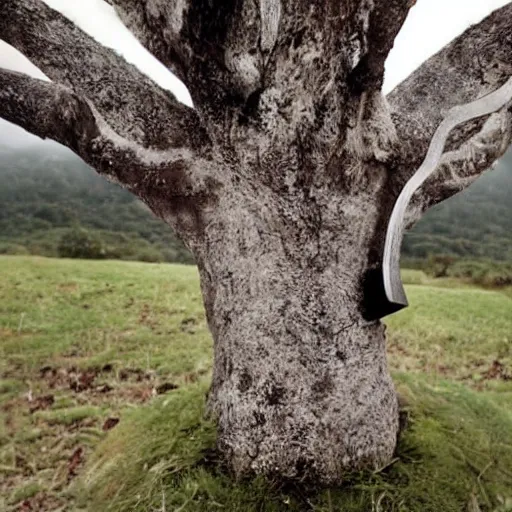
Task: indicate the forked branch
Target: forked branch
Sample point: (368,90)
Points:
(474,65)
(70,57)
(53,111)
(176,184)
(231,52)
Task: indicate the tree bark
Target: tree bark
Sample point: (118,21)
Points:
(298,403)
(300,383)
(473,65)
(130,102)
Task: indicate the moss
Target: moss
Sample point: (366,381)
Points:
(457,448)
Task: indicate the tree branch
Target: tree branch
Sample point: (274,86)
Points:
(47,110)
(176,184)
(158,28)
(53,111)
(475,64)
(386,20)
(194,37)
(69,56)
(460,167)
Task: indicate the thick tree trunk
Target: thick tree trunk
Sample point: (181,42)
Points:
(281,181)
(300,386)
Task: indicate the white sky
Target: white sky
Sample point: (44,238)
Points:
(430,25)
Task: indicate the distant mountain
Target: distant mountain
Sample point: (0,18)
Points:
(46,190)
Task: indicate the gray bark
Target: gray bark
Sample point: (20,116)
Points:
(281,182)
(300,385)
(473,65)
(70,57)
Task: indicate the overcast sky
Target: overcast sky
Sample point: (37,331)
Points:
(430,25)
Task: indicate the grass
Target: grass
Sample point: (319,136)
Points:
(68,415)
(459,445)
(84,347)
(93,313)
(455,332)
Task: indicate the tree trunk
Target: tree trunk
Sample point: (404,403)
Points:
(281,181)
(300,384)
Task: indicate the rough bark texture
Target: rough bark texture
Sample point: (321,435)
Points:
(471,66)
(281,181)
(133,105)
(300,386)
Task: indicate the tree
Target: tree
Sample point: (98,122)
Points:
(281,182)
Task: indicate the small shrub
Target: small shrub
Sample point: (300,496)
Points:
(149,255)
(79,243)
(13,249)
(481,272)
(438,265)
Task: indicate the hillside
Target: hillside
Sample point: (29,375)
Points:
(45,190)
(45,193)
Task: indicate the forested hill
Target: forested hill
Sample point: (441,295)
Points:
(474,224)
(45,193)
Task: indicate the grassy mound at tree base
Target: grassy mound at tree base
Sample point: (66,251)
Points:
(455,455)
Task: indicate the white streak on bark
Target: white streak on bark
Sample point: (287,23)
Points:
(145,156)
(270,12)
(463,165)
(357,43)
(354,51)
(457,115)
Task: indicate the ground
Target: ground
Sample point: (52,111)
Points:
(105,366)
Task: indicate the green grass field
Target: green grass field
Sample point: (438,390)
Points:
(104,367)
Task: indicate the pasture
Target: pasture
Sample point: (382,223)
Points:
(104,366)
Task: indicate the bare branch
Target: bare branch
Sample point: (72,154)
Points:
(69,56)
(475,64)
(176,184)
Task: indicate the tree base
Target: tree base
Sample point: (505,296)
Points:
(311,420)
